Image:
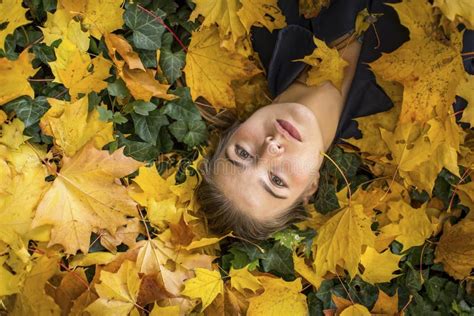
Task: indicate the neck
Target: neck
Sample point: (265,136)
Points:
(325,100)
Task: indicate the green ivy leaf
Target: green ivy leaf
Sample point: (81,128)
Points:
(140,107)
(179,129)
(147,30)
(182,108)
(28,110)
(148,127)
(172,63)
(138,150)
(197,133)
(118,89)
(279,261)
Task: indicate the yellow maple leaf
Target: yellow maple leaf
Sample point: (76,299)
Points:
(327,65)
(72,125)
(150,185)
(385,305)
(241,279)
(306,272)
(236,17)
(99,17)
(117,291)
(420,151)
(206,286)
(60,25)
(210,69)
(410,226)
(371,141)
(22,174)
(77,71)
(165,311)
(116,43)
(32,299)
(279,298)
(466,91)
(12,16)
(379,267)
(12,134)
(84,196)
(456,249)
(355,310)
(14,77)
(140,81)
(429,69)
(461,9)
(466,195)
(262,13)
(343,247)
(310,8)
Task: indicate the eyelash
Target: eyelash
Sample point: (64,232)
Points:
(283,185)
(239,150)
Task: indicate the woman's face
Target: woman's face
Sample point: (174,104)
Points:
(271,160)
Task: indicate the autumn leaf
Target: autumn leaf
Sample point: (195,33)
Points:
(310,9)
(72,125)
(210,69)
(85,197)
(117,291)
(379,267)
(343,247)
(242,279)
(385,305)
(33,298)
(77,71)
(99,17)
(306,271)
(206,286)
(15,18)
(466,91)
(140,81)
(14,77)
(326,64)
(60,25)
(355,310)
(279,298)
(236,17)
(459,9)
(410,226)
(428,69)
(455,249)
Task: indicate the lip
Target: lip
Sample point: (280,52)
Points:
(289,129)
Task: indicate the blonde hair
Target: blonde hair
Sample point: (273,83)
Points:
(223,216)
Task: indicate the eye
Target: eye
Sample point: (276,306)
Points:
(277,180)
(242,153)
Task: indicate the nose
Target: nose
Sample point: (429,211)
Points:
(273,147)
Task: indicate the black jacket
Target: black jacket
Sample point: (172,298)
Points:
(277,49)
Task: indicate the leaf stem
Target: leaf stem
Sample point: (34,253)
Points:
(342,174)
(160,20)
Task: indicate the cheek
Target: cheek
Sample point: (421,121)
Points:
(302,169)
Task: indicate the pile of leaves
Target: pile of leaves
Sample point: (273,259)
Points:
(101,106)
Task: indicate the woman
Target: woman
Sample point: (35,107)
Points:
(264,169)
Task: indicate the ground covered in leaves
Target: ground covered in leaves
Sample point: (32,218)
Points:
(101,113)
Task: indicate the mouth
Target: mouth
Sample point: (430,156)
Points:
(290,129)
